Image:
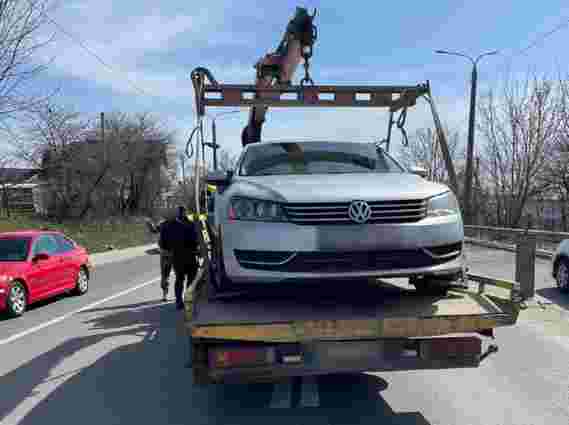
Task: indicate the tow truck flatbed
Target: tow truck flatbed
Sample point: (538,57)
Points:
(341,327)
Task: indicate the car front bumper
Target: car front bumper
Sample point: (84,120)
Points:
(3,296)
(277,252)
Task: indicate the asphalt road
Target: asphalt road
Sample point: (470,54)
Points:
(122,362)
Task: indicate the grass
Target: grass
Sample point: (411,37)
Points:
(95,236)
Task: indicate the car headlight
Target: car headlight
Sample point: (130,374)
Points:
(443,205)
(255,210)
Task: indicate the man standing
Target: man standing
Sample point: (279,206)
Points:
(181,239)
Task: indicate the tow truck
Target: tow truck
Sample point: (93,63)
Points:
(253,336)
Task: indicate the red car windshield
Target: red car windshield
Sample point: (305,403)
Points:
(14,249)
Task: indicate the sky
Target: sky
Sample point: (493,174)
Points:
(153,46)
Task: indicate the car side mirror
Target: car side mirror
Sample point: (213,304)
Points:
(420,171)
(220,179)
(40,256)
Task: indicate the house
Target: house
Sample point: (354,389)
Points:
(108,176)
(19,189)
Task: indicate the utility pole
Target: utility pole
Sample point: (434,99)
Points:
(213,144)
(467,191)
(469,214)
(183,165)
(103,138)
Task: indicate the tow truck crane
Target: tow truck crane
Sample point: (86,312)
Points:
(264,336)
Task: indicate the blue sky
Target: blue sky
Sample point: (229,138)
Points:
(157,44)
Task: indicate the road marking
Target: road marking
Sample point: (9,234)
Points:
(309,392)
(153,334)
(68,315)
(282,395)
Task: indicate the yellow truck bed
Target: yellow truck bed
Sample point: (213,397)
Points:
(341,327)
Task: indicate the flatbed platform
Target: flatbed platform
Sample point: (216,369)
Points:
(344,310)
(341,327)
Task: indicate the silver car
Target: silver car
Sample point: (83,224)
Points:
(560,266)
(299,211)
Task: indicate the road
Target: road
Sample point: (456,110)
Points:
(121,361)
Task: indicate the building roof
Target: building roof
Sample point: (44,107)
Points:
(16,175)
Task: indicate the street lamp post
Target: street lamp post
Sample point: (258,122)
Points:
(467,197)
(213,144)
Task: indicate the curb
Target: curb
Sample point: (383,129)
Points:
(540,253)
(119,255)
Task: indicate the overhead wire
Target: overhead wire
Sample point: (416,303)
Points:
(76,39)
(95,55)
(564,24)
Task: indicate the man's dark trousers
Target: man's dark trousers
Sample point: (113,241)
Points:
(185,272)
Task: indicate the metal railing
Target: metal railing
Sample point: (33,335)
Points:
(526,243)
(545,240)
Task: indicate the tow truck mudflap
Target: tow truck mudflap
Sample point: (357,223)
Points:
(227,362)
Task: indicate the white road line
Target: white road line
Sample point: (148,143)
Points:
(282,395)
(68,315)
(153,334)
(309,392)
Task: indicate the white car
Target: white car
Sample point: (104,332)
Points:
(560,266)
(299,211)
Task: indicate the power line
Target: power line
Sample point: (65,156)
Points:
(86,48)
(543,37)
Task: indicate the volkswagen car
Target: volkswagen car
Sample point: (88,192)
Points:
(315,210)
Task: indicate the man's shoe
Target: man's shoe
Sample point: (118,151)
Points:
(164,295)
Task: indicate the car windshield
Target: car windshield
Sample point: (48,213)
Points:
(14,249)
(316,158)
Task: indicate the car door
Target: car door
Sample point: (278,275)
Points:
(68,259)
(44,276)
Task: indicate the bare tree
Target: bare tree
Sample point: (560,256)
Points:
(226,161)
(127,172)
(20,41)
(520,126)
(137,147)
(424,151)
(50,141)
(556,170)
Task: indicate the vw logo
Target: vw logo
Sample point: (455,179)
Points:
(359,211)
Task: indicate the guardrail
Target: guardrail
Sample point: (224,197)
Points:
(545,240)
(526,243)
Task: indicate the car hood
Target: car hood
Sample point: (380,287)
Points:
(338,187)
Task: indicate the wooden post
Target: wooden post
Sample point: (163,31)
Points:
(525,264)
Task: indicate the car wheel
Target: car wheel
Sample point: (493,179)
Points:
(17,299)
(82,282)
(562,275)
(426,286)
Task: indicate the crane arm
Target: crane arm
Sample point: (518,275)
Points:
(277,68)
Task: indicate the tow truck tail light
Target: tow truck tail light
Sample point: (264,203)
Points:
(241,357)
(448,348)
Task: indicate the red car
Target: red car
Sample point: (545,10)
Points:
(37,264)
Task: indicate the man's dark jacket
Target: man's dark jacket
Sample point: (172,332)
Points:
(181,239)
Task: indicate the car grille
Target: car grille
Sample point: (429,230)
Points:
(383,212)
(338,262)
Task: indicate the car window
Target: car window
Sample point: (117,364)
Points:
(14,249)
(47,244)
(316,158)
(64,244)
